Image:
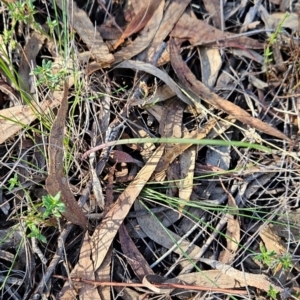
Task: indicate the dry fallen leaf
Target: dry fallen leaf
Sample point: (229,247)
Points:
(171,15)
(208,278)
(213,8)
(81,22)
(15,118)
(83,269)
(31,50)
(169,126)
(198,88)
(139,21)
(165,237)
(233,230)
(144,38)
(107,230)
(198,32)
(57,181)
(211,63)
(187,167)
(134,258)
(259,281)
(178,149)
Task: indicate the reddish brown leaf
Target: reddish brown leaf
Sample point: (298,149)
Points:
(139,21)
(57,181)
(135,259)
(123,157)
(198,32)
(191,83)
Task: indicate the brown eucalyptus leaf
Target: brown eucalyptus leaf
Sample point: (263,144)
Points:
(145,37)
(139,21)
(198,32)
(198,88)
(104,234)
(57,181)
(135,259)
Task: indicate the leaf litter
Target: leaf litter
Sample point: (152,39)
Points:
(162,215)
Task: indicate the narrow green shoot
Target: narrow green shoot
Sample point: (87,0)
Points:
(178,141)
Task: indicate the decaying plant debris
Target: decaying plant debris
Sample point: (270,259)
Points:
(153,219)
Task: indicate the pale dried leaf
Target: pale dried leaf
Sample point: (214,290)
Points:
(213,8)
(211,64)
(171,15)
(178,149)
(187,167)
(84,269)
(271,240)
(198,32)
(251,14)
(258,83)
(290,22)
(104,274)
(210,278)
(15,118)
(170,126)
(141,66)
(107,230)
(150,280)
(155,232)
(81,22)
(233,231)
(259,281)
(251,54)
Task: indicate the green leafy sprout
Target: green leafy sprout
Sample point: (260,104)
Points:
(273,38)
(54,206)
(266,257)
(272,292)
(51,206)
(47,77)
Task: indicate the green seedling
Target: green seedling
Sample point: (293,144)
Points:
(273,38)
(272,293)
(266,257)
(35,218)
(52,25)
(54,206)
(286,261)
(23,11)
(47,77)
(13,182)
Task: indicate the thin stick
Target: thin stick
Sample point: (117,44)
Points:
(159,285)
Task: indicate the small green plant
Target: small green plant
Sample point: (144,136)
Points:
(52,25)
(272,292)
(32,224)
(35,218)
(286,261)
(53,206)
(47,77)
(273,38)
(23,11)
(13,182)
(266,257)
(20,11)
